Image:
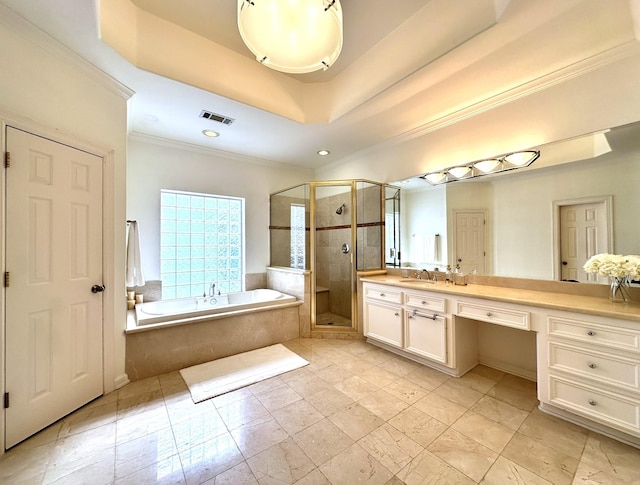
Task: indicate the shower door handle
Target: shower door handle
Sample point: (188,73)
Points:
(345,248)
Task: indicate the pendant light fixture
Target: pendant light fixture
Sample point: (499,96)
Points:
(292,36)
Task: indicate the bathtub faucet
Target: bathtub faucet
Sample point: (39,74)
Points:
(212,289)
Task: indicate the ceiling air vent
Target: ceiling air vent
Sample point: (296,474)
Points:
(216,117)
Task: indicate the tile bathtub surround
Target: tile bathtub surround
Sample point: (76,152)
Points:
(169,349)
(355,414)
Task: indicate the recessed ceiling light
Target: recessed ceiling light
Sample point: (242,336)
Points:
(323,153)
(210,133)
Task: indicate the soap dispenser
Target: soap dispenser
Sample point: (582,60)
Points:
(448,276)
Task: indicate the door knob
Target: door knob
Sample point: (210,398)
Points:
(564,263)
(97,288)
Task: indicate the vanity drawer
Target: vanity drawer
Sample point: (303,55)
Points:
(595,365)
(605,335)
(609,408)
(383,293)
(494,314)
(426,301)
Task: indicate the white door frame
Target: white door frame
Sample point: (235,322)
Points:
(108,266)
(557,205)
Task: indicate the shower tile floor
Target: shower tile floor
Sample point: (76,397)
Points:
(332,319)
(356,414)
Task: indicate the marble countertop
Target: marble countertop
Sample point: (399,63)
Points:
(558,301)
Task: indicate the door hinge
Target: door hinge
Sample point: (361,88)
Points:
(7,159)
(7,279)
(6,400)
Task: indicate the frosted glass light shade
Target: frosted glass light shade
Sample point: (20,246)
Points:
(522,159)
(460,172)
(293,36)
(436,177)
(487,166)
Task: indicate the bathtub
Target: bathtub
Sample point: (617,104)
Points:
(194,309)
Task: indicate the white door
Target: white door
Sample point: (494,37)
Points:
(54,257)
(583,233)
(469,243)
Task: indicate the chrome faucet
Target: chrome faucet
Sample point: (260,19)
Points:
(426,276)
(421,275)
(212,289)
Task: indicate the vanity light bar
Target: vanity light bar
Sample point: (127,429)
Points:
(503,163)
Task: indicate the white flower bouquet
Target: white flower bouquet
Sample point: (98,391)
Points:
(620,269)
(614,265)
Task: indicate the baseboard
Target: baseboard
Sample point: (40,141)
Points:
(508,368)
(434,365)
(591,425)
(121,381)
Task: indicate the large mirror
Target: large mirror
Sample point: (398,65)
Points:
(581,197)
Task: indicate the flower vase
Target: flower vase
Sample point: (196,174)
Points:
(619,290)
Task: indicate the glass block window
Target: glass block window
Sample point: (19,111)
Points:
(297,236)
(201,242)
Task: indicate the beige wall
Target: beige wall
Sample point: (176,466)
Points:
(152,166)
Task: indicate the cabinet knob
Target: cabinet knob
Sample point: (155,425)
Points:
(489,314)
(396,314)
(591,365)
(382,295)
(592,402)
(423,302)
(591,333)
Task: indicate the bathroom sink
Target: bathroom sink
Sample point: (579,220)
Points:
(415,280)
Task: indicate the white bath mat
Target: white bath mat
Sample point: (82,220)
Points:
(229,373)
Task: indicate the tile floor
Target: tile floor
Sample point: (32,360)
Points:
(329,318)
(356,414)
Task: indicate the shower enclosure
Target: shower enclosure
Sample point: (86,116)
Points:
(332,229)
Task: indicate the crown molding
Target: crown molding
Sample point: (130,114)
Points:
(41,39)
(192,147)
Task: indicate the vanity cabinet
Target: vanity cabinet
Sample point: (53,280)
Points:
(587,361)
(418,325)
(426,335)
(383,314)
(426,325)
(590,366)
(497,313)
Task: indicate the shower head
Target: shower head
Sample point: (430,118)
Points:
(340,209)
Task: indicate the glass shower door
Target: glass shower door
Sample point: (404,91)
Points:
(333,265)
